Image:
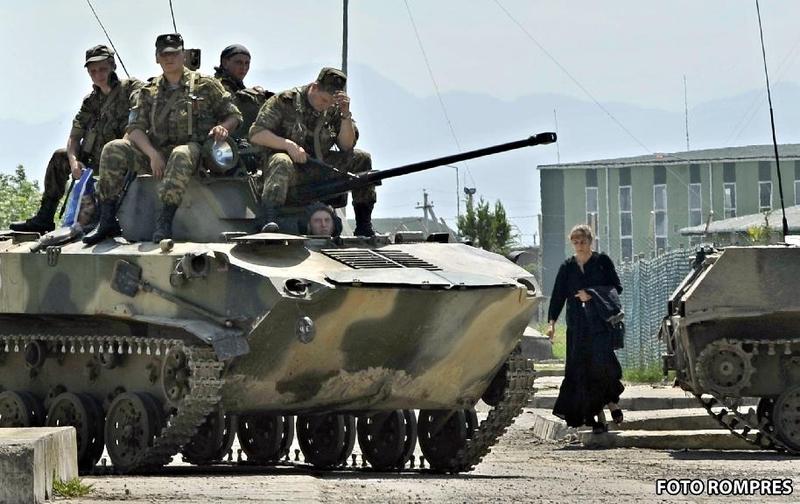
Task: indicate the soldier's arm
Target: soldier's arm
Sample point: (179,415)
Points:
(346,139)
(138,125)
(262,132)
(226,111)
(80,125)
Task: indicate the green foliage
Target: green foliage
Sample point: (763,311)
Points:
(559,339)
(488,229)
(71,488)
(19,197)
(760,235)
(651,373)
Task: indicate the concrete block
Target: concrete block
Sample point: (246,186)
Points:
(667,440)
(31,457)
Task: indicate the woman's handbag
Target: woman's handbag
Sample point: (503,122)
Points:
(617,330)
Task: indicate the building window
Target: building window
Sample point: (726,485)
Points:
(695,205)
(592,205)
(660,216)
(626,223)
(797,192)
(729,199)
(765,196)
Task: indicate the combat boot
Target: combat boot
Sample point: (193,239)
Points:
(363,213)
(42,222)
(164,223)
(107,225)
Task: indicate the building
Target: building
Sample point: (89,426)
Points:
(638,205)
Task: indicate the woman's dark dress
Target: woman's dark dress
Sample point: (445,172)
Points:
(592,372)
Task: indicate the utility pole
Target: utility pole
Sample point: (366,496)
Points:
(426,207)
(686,112)
(344,36)
(558,152)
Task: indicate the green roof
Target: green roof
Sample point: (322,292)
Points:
(727,154)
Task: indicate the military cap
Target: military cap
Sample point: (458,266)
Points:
(98,53)
(232,50)
(331,79)
(169,42)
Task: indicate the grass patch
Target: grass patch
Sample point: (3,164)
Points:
(72,488)
(651,373)
(559,339)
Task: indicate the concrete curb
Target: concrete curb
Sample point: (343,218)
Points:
(667,440)
(31,457)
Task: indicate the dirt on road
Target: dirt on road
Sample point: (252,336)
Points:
(520,468)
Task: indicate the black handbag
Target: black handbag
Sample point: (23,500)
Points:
(617,334)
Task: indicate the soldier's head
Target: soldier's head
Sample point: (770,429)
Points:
(169,52)
(100,64)
(321,219)
(322,92)
(235,59)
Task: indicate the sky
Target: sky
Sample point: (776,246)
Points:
(629,53)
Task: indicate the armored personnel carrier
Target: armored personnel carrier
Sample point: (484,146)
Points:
(149,350)
(732,333)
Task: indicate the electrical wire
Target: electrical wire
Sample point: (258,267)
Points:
(109,38)
(436,88)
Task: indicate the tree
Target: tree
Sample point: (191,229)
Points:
(19,197)
(490,230)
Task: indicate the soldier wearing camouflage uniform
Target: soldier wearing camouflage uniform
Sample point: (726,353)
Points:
(174,114)
(234,64)
(309,121)
(102,117)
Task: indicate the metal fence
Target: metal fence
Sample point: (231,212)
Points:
(647,284)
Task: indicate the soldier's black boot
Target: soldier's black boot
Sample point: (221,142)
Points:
(42,222)
(164,223)
(107,225)
(363,213)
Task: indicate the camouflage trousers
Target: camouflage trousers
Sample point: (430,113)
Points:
(120,156)
(282,173)
(57,174)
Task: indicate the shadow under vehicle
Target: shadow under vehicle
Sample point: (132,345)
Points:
(732,333)
(149,350)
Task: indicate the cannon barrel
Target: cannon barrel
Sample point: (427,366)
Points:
(340,184)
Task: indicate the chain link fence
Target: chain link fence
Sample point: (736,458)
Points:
(647,285)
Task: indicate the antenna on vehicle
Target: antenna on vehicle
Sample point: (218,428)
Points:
(109,38)
(772,123)
(172,12)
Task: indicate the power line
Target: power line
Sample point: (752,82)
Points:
(436,88)
(108,37)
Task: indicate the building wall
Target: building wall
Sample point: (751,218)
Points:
(563,199)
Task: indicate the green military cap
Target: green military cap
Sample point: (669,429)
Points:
(98,53)
(331,79)
(169,42)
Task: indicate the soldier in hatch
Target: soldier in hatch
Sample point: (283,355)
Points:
(234,64)
(174,114)
(307,122)
(102,117)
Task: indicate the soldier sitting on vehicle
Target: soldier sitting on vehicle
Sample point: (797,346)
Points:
(102,117)
(306,122)
(234,64)
(173,116)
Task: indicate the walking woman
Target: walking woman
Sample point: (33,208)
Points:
(592,373)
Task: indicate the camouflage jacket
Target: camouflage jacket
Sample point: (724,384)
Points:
(289,115)
(186,113)
(103,118)
(248,100)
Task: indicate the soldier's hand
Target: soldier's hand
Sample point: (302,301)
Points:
(297,153)
(219,132)
(157,165)
(341,99)
(77,169)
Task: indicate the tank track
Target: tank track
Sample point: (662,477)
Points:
(204,391)
(516,396)
(746,425)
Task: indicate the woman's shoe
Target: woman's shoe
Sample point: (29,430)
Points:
(599,428)
(617,416)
